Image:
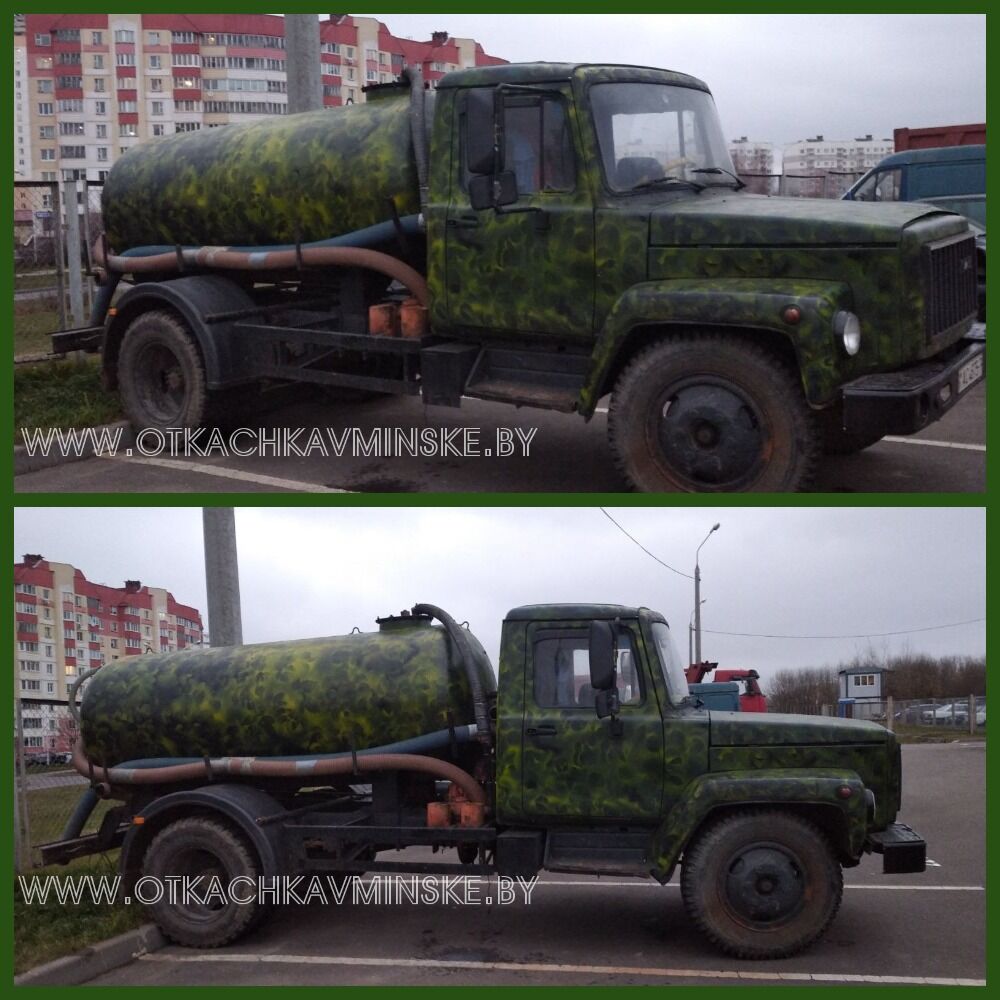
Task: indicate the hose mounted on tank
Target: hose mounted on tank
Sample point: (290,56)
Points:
(458,636)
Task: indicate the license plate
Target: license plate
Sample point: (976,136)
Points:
(969,374)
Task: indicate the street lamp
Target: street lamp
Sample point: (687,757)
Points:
(691,634)
(697,597)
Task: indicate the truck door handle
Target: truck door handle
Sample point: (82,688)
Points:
(463,222)
(544,730)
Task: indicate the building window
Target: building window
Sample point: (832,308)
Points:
(43,62)
(153,38)
(71,128)
(186,59)
(48,154)
(125,59)
(156,85)
(74,106)
(159,129)
(128,131)
(99,85)
(128,107)
(97,38)
(69,59)
(157,107)
(67,35)
(183,37)
(124,36)
(100,107)
(102,131)
(70,82)
(98,62)
(102,154)
(43,39)
(44,86)
(155,62)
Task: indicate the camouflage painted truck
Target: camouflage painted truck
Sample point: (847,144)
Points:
(326,757)
(543,235)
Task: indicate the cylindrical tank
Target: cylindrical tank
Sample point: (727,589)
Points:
(286,179)
(308,696)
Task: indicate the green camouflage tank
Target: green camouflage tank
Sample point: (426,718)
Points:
(294,178)
(279,699)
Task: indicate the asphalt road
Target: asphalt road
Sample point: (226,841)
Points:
(564,455)
(904,928)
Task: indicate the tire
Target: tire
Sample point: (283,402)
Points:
(200,846)
(837,441)
(161,376)
(761,884)
(709,413)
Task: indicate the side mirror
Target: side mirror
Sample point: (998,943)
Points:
(492,192)
(607,704)
(603,658)
(481,138)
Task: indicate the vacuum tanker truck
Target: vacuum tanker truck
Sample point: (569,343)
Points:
(586,754)
(543,235)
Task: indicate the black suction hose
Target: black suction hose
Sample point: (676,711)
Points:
(484,731)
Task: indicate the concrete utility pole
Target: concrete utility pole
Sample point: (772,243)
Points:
(222,578)
(697,598)
(305,87)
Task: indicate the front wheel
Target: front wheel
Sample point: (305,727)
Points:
(712,413)
(762,884)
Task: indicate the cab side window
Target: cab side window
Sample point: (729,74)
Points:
(562,671)
(537,145)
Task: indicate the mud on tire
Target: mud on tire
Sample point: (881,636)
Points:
(201,846)
(761,884)
(708,412)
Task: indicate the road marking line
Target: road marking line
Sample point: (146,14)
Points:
(223,473)
(638,884)
(601,970)
(897,439)
(934,444)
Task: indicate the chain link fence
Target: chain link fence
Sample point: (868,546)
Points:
(831,184)
(52,290)
(46,786)
(931,717)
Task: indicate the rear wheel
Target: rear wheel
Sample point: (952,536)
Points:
(761,884)
(205,853)
(709,413)
(161,376)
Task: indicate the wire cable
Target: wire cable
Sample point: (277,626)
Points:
(859,635)
(687,576)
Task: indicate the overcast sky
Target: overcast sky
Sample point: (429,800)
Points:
(790,571)
(775,77)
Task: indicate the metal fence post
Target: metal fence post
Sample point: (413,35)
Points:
(889,720)
(74,252)
(972,715)
(60,252)
(21,788)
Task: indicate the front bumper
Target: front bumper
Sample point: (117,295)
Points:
(903,851)
(906,401)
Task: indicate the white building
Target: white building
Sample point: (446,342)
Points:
(820,155)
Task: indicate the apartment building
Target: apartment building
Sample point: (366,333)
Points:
(752,157)
(94,85)
(65,625)
(819,155)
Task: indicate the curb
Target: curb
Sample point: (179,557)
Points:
(23,462)
(74,970)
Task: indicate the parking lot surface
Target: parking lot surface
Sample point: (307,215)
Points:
(901,929)
(564,455)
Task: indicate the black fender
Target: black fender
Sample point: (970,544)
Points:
(241,806)
(197,299)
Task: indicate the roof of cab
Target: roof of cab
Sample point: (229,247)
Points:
(570,612)
(938,154)
(552,72)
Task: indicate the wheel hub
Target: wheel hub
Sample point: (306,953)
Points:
(712,434)
(764,884)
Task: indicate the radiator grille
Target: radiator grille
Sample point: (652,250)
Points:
(949,283)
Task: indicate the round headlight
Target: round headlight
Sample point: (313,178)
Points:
(847,326)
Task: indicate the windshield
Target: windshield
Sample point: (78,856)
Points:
(670,664)
(653,133)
